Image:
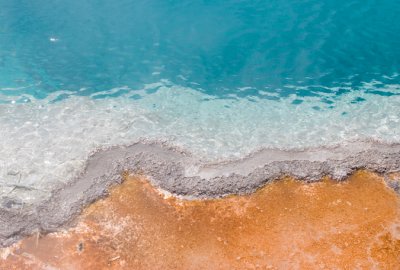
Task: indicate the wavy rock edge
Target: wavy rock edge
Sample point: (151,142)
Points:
(178,172)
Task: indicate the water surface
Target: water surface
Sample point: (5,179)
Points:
(218,78)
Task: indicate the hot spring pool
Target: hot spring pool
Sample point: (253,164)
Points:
(217,79)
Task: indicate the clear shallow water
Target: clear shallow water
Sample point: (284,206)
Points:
(220,78)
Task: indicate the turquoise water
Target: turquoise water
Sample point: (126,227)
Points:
(216,47)
(220,79)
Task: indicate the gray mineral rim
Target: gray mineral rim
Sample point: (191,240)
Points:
(178,172)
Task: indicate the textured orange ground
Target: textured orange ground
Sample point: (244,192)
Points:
(286,225)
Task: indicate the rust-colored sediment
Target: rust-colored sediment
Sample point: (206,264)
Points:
(286,225)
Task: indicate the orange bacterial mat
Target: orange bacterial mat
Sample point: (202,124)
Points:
(287,224)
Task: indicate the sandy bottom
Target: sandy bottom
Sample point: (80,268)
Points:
(286,225)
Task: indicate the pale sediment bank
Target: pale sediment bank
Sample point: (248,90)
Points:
(288,224)
(180,173)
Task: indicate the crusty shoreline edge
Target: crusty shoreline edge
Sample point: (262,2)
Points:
(178,172)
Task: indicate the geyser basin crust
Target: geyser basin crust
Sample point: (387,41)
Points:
(178,172)
(48,140)
(287,224)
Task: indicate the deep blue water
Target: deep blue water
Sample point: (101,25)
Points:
(218,47)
